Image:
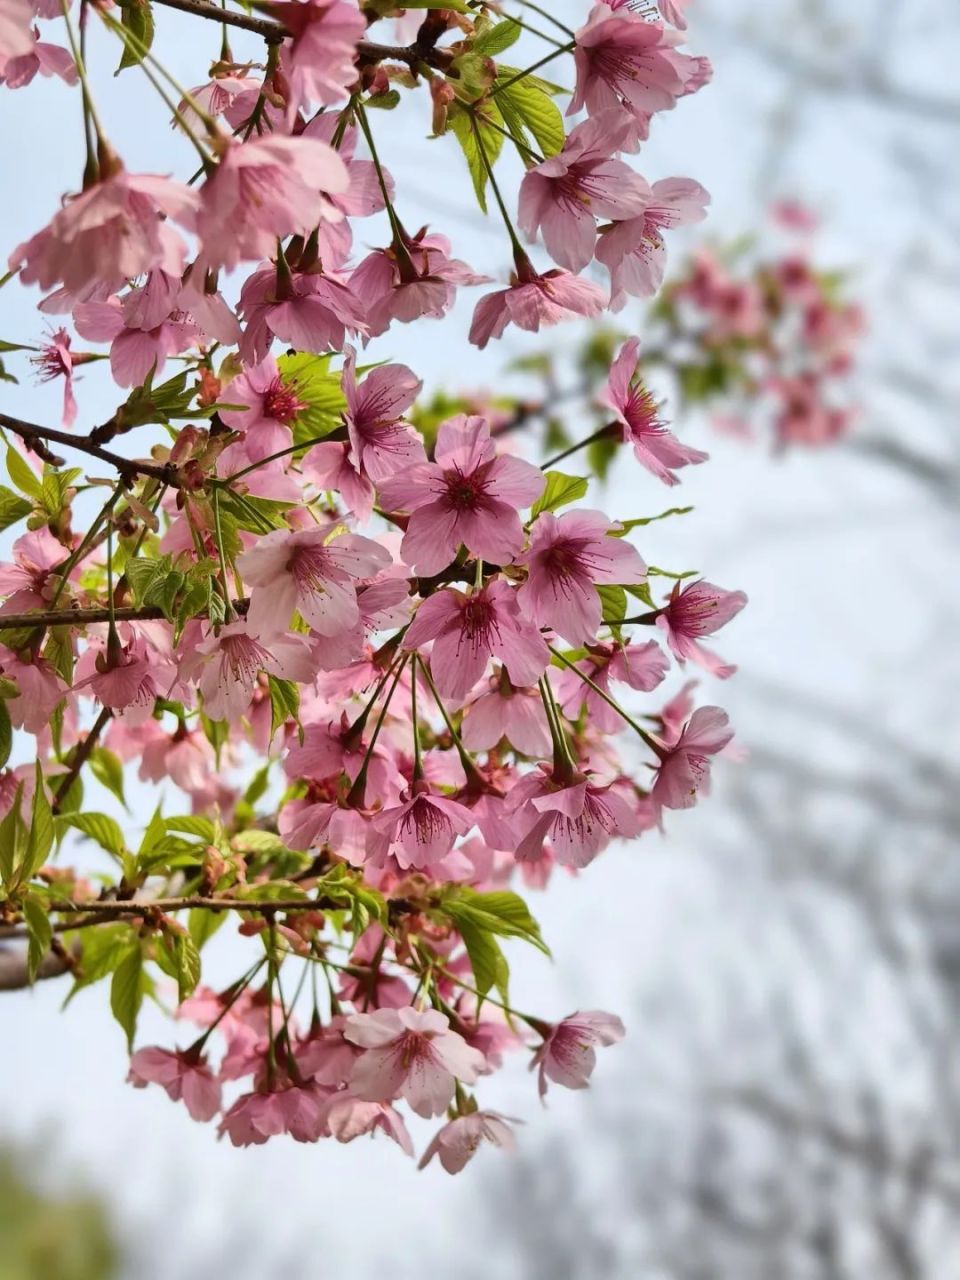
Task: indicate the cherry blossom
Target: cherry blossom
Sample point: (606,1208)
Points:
(568,1054)
(696,610)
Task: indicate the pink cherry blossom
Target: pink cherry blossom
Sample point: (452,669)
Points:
(310,571)
(252,1119)
(349,1117)
(633,250)
(225,665)
(319,59)
(568,558)
(41,691)
(419,831)
(506,712)
(381,442)
(16,37)
(469,494)
(363,198)
(579,818)
(684,770)
(568,1053)
(534,300)
(116,230)
(467,629)
(413,278)
(637,413)
(310,310)
(270,404)
(182,1075)
(56,360)
(564,195)
(410,1053)
(264,189)
(45,59)
(457,1142)
(144,328)
(24,580)
(696,610)
(641,666)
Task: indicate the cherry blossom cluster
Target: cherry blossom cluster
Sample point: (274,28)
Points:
(388,663)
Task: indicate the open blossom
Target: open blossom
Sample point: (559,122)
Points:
(457,1142)
(568,558)
(467,629)
(568,1054)
(410,1053)
(634,251)
(578,818)
(43,59)
(312,572)
(116,230)
(184,1076)
(16,37)
(349,1117)
(381,442)
(143,328)
(420,831)
(698,610)
(507,712)
(225,665)
(641,666)
(41,691)
(265,189)
(255,1117)
(310,310)
(533,301)
(470,494)
(685,768)
(270,405)
(564,195)
(637,413)
(319,58)
(23,581)
(411,279)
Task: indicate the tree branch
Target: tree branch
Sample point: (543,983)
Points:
(36,438)
(81,617)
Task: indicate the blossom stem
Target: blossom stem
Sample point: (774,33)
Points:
(535,156)
(67,567)
(563,762)
(514,239)
(237,991)
(466,759)
(601,434)
(417,760)
(271,457)
(521,75)
(398,233)
(544,13)
(611,702)
(224,581)
(89,106)
(356,792)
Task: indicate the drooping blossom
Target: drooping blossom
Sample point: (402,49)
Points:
(23,581)
(684,770)
(41,691)
(578,817)
(418,832)
(43,59)
(410,1053)
(696,610)
(362,199)
(568,558)
(319,59)
(638,415)
(470,494)
(640,666)
(265,189)
(116,230)
(568,1054)
(457,1142)
(183,1075)
(413,278)
(349,1117)
(467,629)
(564,195)
(310,310)
(143,328)
(16,36)
(381,442)
(507,712)
(225,664)
(312,572)
(634,251)
(535,300)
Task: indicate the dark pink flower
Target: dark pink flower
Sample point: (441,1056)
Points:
(144,327)
(24,580)
(685,768)
(637,413)
(457,1142)
(270,404)
(641,666)
(469,494)
(568,1053)
(568,558)
(534,300)
(506,712)
(578,817)
(634,252)
(408,280)
(41,691)
(183,1075)
(698,610)
(311,310)
(381,442)
(225,664)
(564,195)
(410,1053)
(467,629)
(45,59)
(419,832)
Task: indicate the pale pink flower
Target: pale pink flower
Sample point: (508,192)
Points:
(578,818)
(413,1054)
(506,712)
(183,1075)
(45,59)
(319,59)
(634,252)
(265,189)
(411,279)
(185,757)
(685,768)
(349,1117)
(568,558)
(568,1053)
(564,195)
(641,666)
(534,300)
(270,405)
(41,691)
(418,832)
(225,665)
(637,413)
(310,310)
(16,36)
(116,230)
(56,361)
(457,1142)
(24,580)
(467,629)
(698,610)
(144,328)
(252,1119)
(125,678)
(331,465)
(309,571)
(381,442)
(468,495)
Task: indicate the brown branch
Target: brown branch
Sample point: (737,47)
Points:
(36,438)
(81,617)
(80,758)
(14,974)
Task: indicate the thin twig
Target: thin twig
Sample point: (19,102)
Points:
(36,438)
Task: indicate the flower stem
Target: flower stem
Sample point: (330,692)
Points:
(514,239)
(466,759)
(563,762)
(600,434)
(611,702)
(356,792)
(228,612)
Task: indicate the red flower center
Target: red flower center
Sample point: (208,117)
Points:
(281,402)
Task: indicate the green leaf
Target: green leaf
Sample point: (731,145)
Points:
(178,956)
(489,964)
(495,38)
(387,101)
(155,831)
(40,933)
(126,992)
(102,947)
(42,833)
(318,388)
(461,125)
(12,507)
(501,912)
(193,825)
(529,100)
(614,603)
(137,18)
(142,572)
(284,702)
(12,839)
(6,734)
(560,491)
(99,827)
(23,475)
(639,521)
(54,486)
(107,768)
(203,924)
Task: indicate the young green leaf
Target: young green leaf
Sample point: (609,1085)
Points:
(559,492)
